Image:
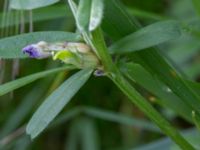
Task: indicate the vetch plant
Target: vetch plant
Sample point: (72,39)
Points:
(130,59)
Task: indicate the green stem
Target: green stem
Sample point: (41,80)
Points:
(115,75)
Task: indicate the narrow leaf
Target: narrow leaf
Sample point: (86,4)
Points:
(10,86)
(141,76)
(96,14)
(83,14)
(30,4)
(11,47)
(56,102)
(148,36)
(42,14)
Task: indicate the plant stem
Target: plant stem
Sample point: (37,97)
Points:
(115,75)
(152,113)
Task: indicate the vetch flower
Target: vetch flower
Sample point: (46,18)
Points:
(75,53)
(37,50)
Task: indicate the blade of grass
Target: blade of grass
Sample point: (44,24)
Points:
(10,86)
(138,74)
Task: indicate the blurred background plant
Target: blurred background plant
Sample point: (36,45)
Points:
(100,115)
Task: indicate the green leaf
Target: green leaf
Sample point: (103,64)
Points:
(148,36)
(164,72)
(42,14)
(141,76)
(10,86)
(96,14)
(56,102)
(83,14)
(30,4)
(11,47)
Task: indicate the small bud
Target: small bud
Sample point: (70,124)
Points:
(75,53)
(35,51)
(99,73)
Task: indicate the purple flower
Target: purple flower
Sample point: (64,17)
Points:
(34,51)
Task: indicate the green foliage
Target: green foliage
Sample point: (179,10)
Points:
(92,16)
(160,80)
(55,103)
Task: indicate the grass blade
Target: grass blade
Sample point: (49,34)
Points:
(140,75)
(10,86)
(55,102)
